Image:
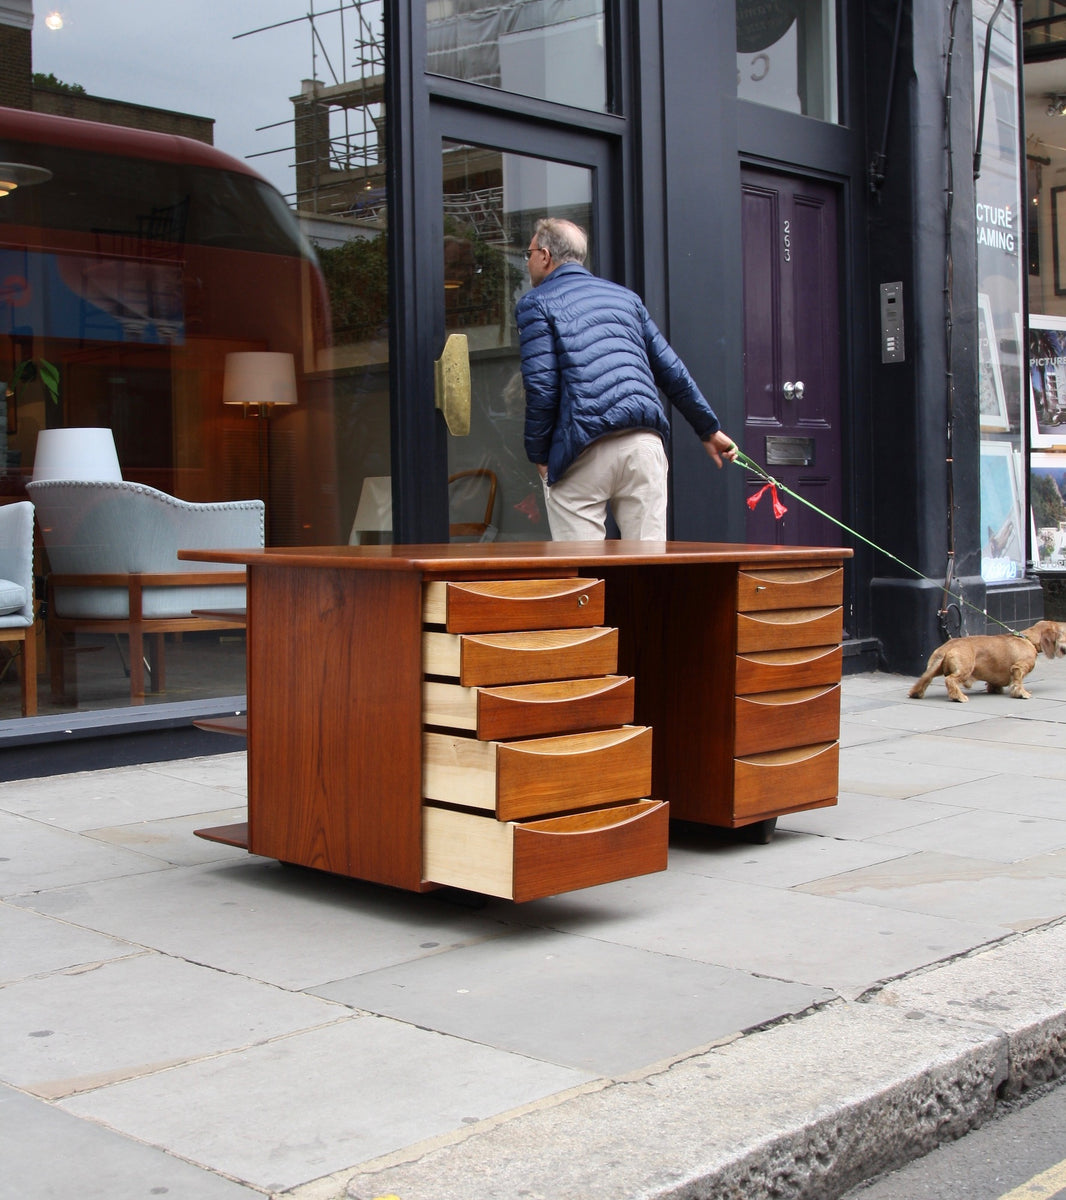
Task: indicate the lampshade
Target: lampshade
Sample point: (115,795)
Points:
(15,175)
(85,454)
(259,377)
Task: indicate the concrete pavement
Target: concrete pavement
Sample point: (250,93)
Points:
(180,1018)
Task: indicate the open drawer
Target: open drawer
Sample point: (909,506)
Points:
(529,656)
(499,605)
(527,860)
(538,776)
(530,709)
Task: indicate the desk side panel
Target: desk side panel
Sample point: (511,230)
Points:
(676,626)
(334,739)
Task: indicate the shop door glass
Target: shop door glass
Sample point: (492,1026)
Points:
(492,199)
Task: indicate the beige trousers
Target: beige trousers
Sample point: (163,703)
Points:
(626,471)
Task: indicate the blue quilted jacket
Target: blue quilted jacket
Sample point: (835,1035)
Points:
(591,360)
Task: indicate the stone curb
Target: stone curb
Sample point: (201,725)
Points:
(802,1110)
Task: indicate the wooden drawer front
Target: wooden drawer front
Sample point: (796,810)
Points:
(543,858)
(789,627)
(530,709)
(798,716)
(769,670)
(526,657)
(497,606)
(538,777)
(786,780)
(792,587)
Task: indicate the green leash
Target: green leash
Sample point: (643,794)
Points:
(743,460)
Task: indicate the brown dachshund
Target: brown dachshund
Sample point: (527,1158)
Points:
(999,660)
(1048,636)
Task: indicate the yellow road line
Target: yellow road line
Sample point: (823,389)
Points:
(1041,1187)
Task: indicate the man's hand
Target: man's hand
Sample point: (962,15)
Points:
(542,470)
(721,447)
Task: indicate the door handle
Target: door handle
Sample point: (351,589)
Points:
(793,391)
(451,384)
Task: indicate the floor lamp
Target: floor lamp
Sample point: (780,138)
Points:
(262,380)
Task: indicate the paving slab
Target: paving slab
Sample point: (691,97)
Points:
(68,1032)
(304,1106)
(51,1155)
(539,992)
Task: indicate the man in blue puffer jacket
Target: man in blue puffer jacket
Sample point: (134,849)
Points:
(592,360)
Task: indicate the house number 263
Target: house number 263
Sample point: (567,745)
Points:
(786,239)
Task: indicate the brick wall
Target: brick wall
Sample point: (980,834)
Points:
(16,68)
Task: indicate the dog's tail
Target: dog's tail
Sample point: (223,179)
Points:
(932,670)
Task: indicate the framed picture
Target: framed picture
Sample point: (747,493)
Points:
(1047,496)
(1047,381)
(993,397)
(1058,238)
(1002,527)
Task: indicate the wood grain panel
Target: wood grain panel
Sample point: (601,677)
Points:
(793,587)
(538,776)
(502,605)
(769,670)
(524,657)
(334,730)
(798,716)
(544,858)
(589,848)
(583,770)
(676,638)
(564,706)
(788,627)
(786,780)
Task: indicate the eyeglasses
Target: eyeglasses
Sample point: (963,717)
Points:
(532,248)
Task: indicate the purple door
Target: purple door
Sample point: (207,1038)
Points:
(792,353)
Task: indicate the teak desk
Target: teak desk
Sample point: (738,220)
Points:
(520,719)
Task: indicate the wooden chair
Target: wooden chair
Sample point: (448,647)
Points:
(457,496)
(18,622)
(113,568)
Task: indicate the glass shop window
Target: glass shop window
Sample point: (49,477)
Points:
(549,49)
(787,56)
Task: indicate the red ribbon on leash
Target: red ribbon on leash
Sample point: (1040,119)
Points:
(779,508)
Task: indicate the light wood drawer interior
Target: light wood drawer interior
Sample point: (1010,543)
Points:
(786,780)
(802,666)
(527,860)
(789,587)
(785,628)
(501,605)
(539,776)
(531,656)
(795,716)
(530,709)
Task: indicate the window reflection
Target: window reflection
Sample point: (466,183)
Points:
(550,49)
(787,55)
(491,203)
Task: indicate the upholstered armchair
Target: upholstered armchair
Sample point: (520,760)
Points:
(113,568)
(17,621)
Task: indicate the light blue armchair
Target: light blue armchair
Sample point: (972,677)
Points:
(113,568)
(17,619)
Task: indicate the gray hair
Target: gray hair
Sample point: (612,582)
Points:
(564,241)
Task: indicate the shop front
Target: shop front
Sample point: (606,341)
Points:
(772,178)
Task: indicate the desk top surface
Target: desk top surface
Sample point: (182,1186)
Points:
(476,556)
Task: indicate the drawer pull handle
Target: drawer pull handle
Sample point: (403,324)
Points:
(760,587)
(582,601)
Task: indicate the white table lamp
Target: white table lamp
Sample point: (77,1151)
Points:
(76,453)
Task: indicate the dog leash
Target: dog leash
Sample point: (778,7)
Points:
(772,485)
